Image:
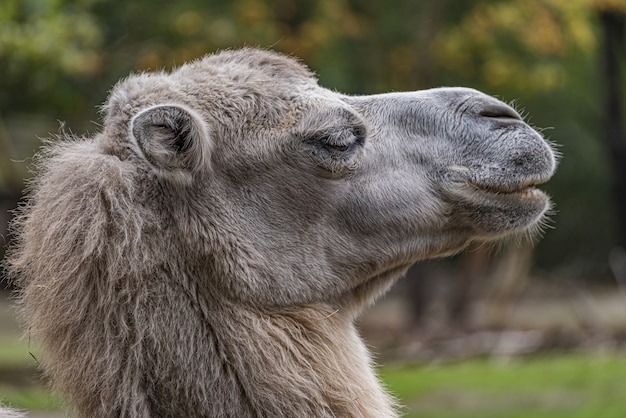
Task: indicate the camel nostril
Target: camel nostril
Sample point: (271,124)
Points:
(499,112)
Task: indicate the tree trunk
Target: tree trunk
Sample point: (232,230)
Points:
(613,24)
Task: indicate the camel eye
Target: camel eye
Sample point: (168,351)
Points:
(340,148)
(340,140)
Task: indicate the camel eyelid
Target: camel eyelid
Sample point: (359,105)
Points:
(342,141)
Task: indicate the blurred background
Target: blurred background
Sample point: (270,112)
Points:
(520,331)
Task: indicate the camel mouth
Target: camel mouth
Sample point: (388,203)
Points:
(498,187)
(525,191)
(497,209)
(521,194)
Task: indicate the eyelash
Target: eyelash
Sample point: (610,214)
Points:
(340,148)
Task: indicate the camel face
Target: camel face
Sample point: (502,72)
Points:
(474,160)
(352,187)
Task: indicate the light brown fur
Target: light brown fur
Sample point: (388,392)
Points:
(206,254)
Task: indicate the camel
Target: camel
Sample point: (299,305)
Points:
(207,253)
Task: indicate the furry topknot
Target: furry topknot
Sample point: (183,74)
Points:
(72,278)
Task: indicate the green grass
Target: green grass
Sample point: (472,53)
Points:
(572,386)
(17,363)
(14,352)
(34,398)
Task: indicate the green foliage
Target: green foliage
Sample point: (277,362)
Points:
(60,57)
(41,42)
(490,45)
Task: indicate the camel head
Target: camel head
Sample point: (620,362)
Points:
(206,253)
(304,194)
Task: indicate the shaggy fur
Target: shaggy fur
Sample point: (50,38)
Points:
(206,254)
(9,413)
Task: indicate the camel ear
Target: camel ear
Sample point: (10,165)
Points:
(172,138)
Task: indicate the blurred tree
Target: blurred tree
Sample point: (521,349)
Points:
(545,53)
(60,57)
(614,43)
(48,48)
